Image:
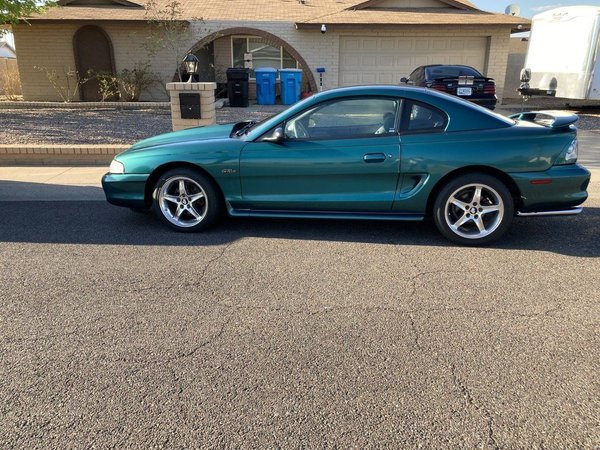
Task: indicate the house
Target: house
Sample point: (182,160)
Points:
(9,75)
(6,51)
(365,42)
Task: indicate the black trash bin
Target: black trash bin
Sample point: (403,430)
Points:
(237,87)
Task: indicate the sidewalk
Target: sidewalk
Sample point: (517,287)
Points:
(19,184)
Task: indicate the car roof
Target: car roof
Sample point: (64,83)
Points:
(448,65)
(463,115)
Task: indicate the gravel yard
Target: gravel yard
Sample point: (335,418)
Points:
(110,126)
(102,126)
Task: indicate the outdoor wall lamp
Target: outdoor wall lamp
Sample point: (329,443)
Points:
(191,65)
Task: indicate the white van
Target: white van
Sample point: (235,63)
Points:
(563,53)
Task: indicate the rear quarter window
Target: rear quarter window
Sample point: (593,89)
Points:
(419,117)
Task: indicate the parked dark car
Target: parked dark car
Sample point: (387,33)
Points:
(462,81)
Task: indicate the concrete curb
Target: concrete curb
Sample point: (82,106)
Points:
(85,105)
(43,155)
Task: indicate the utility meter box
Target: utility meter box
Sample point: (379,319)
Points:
(189,105)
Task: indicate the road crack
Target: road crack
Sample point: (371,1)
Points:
(466,394)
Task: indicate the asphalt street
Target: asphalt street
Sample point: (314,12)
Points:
(118,333)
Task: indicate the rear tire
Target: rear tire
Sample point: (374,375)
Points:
(473,209)
(187,200)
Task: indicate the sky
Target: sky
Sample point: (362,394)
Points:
(530,8)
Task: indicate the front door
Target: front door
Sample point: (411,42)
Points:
(341,155)
(93,55)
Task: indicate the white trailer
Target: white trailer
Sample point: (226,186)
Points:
(564,53)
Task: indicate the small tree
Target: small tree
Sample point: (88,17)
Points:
(168,30)
(11,11)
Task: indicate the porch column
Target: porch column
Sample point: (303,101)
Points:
(192,104)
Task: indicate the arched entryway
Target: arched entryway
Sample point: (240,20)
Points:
(266,37)
(93,53)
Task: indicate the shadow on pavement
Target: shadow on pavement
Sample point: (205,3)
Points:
(80,221)
(19,191)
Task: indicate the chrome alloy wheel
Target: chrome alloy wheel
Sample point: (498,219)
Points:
(474,211)
(183,201)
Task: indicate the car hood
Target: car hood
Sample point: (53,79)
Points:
(188,135)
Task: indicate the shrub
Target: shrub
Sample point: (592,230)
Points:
(108,86)
(132,82)
(66,83)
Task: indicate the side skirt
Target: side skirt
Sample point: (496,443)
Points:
(566,212)
(324,215)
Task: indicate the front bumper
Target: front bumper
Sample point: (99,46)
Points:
(556,190)
(127,189)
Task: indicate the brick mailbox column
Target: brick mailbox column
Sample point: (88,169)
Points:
(192,104)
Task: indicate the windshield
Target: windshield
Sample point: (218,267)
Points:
(450,72)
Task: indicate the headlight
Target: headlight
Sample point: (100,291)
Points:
(569,156)
(116,167)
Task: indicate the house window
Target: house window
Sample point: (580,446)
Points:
(264,54)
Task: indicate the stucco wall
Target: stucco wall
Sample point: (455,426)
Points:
(51,45)
(516,61)
(222,58)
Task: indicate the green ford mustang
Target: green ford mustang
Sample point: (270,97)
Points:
(380,152)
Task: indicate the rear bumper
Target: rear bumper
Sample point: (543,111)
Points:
(555,191)
(125,189)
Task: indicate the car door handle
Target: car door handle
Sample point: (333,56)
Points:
(374,157)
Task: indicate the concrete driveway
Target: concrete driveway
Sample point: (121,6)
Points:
(116,332)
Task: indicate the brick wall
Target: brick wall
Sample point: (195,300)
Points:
(51,45)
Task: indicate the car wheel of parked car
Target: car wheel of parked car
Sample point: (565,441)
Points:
(187,200)
(473,209)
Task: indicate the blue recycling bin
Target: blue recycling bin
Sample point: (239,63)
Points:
(265,85)
(291,85)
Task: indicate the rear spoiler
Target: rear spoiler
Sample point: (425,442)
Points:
(464,80)
(552,119)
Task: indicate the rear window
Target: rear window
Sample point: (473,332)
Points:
(450,72)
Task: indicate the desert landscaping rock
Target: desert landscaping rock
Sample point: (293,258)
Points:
(109,126)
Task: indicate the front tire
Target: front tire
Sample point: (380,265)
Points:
(187,200)
(473,209)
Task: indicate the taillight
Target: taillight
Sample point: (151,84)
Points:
(489,88)
(439,87)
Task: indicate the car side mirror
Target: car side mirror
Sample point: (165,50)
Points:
(404,80)
(277,136)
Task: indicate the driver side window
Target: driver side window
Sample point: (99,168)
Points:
(345,119)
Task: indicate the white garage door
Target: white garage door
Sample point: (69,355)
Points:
(384,60)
